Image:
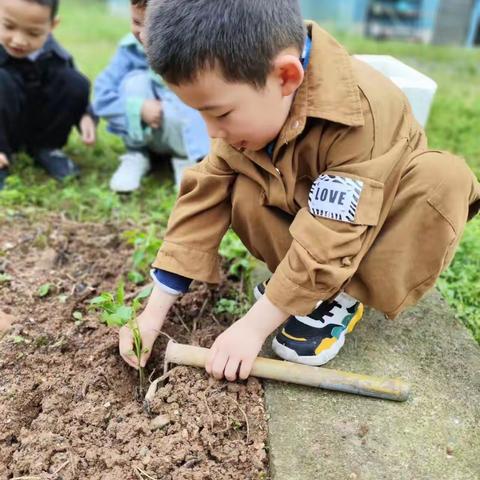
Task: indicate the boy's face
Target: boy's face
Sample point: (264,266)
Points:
(24,26)
(246,118)
(137,15)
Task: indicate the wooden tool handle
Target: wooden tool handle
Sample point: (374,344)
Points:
(386,388)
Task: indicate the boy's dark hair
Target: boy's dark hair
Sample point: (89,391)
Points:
(51,4)
(242,36)
(139,3)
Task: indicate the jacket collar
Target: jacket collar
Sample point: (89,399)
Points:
(129,40)
(329,90)
(49,47)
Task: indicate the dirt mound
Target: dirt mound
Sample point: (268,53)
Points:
(68,406)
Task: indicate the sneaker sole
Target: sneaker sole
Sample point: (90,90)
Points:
(292,356)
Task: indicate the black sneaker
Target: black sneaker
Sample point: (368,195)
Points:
(3,176)
(56,163)
(317,338)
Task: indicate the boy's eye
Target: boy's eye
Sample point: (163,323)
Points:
(8,26)
(34,34)
(225,114)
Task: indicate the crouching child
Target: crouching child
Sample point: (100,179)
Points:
(318,165)
(141,109)
(42,95)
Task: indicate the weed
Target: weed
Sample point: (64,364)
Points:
(44,290)
(5,278)
(237,256)
(19,340)
(146,245)
(233,307)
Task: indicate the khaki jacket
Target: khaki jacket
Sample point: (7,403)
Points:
(346,120)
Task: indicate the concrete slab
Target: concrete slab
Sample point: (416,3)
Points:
(435,435)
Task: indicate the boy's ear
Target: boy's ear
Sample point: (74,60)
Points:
(289,70)
(55,22)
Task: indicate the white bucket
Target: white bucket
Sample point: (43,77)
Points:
(418,88)
(179,165)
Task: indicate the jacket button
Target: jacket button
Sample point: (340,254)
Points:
(278,171)
(346,262)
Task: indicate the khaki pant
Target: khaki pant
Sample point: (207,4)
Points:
(436,195)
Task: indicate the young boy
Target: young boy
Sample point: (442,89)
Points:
(42,96)
(139,107)
(320,168)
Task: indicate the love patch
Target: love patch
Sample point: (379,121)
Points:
(335,197)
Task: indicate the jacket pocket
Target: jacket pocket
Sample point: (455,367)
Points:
(350,199)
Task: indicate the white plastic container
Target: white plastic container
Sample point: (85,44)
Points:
(419,89)
(179,165)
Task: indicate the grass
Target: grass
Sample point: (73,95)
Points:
(91,34)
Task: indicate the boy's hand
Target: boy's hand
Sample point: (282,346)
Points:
(149,327)
(3,161)
(235,350)
(88,130)
(150,323)
(152,113)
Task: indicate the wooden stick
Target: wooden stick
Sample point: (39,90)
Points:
(386,388)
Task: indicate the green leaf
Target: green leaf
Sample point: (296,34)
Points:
(44,290)
(120,293)
(62,298)
(103,300)
(119,317)
(145,293)
(135,277)
(5,278)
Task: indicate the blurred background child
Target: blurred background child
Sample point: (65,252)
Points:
(42,95)
(144,113)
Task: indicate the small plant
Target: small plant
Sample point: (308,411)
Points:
(5,278)
(146,245)
(237,256)
(233,307)
(44,290)
(116,313)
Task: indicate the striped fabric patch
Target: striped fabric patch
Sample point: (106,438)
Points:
(335,197)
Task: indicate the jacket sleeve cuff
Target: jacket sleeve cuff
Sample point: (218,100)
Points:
(203,266)
(135,127)
(292,298)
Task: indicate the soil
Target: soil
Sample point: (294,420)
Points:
(69,406)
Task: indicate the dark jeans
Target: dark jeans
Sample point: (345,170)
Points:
(38,112)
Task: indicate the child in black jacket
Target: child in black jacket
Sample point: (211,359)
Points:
(42,95)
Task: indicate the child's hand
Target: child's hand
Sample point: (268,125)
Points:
(3,161)
(88,130)
(235,350)
(150,323)
(152,113)
(149,327)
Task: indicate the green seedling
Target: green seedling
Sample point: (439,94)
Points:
(18,340)
(230,307)
(44,290)
(116,313)
(237,256)
(146,245)
(5,278)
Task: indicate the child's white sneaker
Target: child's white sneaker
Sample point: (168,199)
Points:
(133,167)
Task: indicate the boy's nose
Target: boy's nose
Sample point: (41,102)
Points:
(214,131)
(18,40)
